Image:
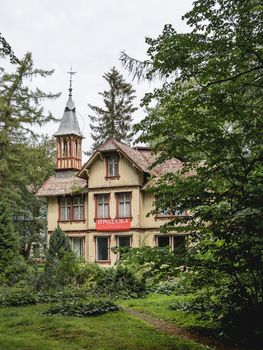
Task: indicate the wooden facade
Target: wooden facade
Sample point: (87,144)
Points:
(110,206)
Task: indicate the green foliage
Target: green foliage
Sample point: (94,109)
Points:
(8,238)
(58,244)
(178,285)
(24,164)
(30,216)
(114,120)
(16,272)
(83,308)
(6,50)
(25,295)
(17,297)
(154,265)
(119,283)
(26,328)
(209,116)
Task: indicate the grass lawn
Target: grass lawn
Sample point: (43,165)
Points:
(157,305)
(24,328)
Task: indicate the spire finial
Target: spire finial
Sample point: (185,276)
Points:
(71,73)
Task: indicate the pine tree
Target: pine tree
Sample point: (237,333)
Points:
(20,109)
(8,238)
(114,120)
(58,244)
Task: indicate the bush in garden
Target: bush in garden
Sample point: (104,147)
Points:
(16,272)
(154,264)
(88,274)
(82,308)
(59,272)
(17,297)
(119,282)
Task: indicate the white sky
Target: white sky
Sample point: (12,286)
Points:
(89,36)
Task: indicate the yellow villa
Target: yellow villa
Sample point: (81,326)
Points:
(104,203)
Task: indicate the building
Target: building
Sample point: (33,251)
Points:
(104,203)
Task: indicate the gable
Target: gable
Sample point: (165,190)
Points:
(129,175)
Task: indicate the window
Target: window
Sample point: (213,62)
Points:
(112,166)
(77,245)
(163,241)
(65,149)
(71,208)
(169,212)
(124,241)
(102,248)
(124,205)
(179,242)
(73,145)
(78,208)
(65,209)
(102,206)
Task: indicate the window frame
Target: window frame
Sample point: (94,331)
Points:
(96,195)
(70,204)
(108,159)
(117,194)
(82,247)
(121,236)
(170,214)
(172,239)
(96,249)
(170,245)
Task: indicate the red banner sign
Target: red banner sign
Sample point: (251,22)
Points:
(113,224)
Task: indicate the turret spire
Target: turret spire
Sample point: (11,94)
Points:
(69,137)
(71,73)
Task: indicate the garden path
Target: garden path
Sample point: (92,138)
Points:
(173,329)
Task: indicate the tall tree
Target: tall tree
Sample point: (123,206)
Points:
(30,219)
(20,109)
(8,238)
(24,164)
(209,115)
(114,120)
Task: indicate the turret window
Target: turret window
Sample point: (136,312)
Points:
(65,149)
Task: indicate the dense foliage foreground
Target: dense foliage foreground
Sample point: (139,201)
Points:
(65,287)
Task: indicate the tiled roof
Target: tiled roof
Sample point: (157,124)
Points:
(141,157)
(58,185)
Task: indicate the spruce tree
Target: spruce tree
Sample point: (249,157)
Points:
(58,244)
(8,238)
(114,120)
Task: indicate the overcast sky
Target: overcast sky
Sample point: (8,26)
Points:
(89,36)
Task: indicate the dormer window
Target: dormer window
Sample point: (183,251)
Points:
(112,163)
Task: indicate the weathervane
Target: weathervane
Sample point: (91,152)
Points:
(70,81)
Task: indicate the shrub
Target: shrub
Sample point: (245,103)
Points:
(59,272)
(154,264)
(17,297)
(82,308)
(119,282)
(16,272)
